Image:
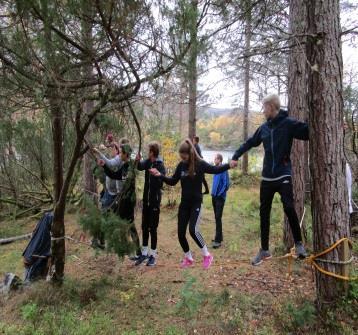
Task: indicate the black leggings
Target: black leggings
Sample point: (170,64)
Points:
(150,221)
(267,192)
(189,214)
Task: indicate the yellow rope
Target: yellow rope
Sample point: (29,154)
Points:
(311,260)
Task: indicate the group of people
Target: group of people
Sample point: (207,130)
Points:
(276,135)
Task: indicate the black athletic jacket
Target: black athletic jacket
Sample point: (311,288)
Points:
(152,194)
(277,136)
(191,186)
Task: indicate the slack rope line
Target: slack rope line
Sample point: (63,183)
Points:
(70,239)
(311,260)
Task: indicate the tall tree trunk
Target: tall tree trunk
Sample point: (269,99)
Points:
(248,33)
(297,108)
(57,124)
(327,163)
(89,181)
(193,70)
(58,225)
(182,95)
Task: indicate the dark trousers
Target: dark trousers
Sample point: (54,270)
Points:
(267,192)
(206,186)
(218,205)
(189,214)
(126,211)
(150,222)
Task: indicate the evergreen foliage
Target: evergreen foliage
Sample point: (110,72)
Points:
(109,224)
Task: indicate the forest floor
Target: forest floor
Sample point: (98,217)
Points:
(103,295)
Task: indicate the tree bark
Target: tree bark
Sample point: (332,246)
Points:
(297,108)
(327,162)
(58,225)
(89,181)
(193,70)
(248,33)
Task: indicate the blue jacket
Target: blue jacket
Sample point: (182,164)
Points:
(277,136)
(221,183)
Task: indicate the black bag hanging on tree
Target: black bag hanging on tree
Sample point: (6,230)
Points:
(38,251)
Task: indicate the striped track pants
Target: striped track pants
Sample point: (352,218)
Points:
(189,214)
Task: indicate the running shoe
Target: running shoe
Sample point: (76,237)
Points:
(260,257)
(207,260)
(186,263)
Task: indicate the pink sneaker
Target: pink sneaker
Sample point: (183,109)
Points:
(186,263)
(207,261)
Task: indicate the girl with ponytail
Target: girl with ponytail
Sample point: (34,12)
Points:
(190,172)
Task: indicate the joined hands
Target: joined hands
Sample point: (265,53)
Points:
(233,164)
(155,172)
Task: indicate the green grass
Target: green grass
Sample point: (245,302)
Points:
(114,299)
(13,227)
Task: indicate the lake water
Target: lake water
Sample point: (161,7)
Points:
(209,155)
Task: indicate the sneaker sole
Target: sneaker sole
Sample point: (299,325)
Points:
(137,264)
(264,259)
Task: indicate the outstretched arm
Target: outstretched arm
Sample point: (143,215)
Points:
(254,141)
(111,163)
(173,180)
(300,130)
(212,169)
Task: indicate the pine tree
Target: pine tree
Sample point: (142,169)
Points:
(327,162)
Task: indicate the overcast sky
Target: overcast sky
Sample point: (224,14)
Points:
(227,94)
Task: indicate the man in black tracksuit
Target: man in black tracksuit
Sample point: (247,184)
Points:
(277,135)
(152,196)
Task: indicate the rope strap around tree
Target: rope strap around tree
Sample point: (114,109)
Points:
(312,260)
(335,262)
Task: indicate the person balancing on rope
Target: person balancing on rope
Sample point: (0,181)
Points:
(152,196)
(277,135)
(190,172)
